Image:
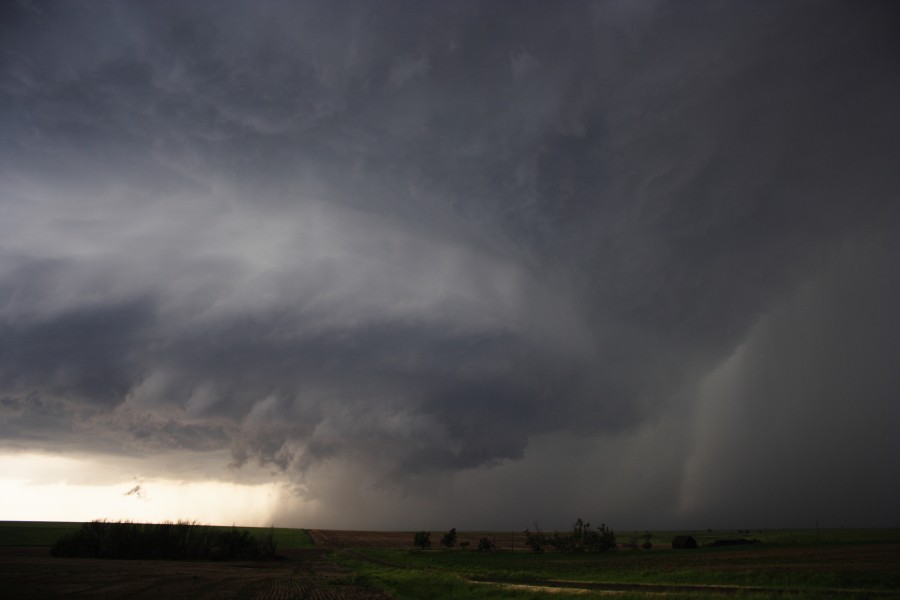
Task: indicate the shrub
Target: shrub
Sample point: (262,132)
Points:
(449,539)
(422,539)
(485,544)
(173,541)
(582,539)
(536,540)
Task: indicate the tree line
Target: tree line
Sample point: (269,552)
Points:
(582,538)
(170,541)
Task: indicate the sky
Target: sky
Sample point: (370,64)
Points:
(402,265)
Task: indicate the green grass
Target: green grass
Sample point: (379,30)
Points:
(860,563)
(411,584)
(40,533)
(34,533)
(414,584)
(285,538)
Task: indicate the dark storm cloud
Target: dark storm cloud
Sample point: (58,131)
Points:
(89,350)
(405,239)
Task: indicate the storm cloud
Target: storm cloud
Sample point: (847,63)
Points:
(434,262)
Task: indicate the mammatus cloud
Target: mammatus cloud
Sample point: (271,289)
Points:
(437,259)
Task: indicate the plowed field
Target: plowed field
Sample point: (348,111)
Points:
(31,573)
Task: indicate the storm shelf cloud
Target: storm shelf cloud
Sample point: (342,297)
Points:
(468,264)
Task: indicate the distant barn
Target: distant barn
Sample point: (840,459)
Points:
(684,541)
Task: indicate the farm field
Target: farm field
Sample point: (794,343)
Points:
(29,573)
(863,570)
(380,565)
(787,563)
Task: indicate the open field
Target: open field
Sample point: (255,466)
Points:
(379,565)
(34,533)
(856,563)
(29,573)
(836,569)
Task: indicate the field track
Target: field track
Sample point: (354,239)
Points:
(876,560)
(551,585)
(30,573)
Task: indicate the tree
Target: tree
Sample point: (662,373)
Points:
(536,540)
(485,545)
(581,532)
(422,539)
(584,539)
(449,539)
(600,539)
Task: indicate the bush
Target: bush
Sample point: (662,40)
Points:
(449,539)
(536,540)
(485,544)
(422,539)
(582,539)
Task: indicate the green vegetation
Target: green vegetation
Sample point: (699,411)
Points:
(181,540)
(581,539)
(412,584)
(858,567)
(486,544)
(851,563)
(422,539)
(34,533)
(285,537)
(449,539)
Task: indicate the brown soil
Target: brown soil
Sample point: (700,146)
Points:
(326,538)
(30,573)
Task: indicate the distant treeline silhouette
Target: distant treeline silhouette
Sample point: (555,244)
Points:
(582,539)
(172,541)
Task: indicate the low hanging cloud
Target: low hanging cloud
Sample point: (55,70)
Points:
(415,249)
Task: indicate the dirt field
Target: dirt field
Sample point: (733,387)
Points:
(30,573)
(325,538)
